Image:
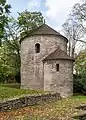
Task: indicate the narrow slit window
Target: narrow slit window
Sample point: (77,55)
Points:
(57,67)
(37,48)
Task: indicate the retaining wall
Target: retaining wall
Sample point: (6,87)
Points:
(28,101)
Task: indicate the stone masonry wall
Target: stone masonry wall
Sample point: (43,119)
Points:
(31,63)
(60,81)
(28,101)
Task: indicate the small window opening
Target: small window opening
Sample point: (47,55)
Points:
(37,48)
(57,67)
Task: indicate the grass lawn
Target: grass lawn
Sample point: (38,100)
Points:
(11,85)
(8,92)
(63,109)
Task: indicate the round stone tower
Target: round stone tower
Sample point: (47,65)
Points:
(45,63)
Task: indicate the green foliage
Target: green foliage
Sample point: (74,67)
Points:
(79,84)
(4,12)
(28,21)
(80,63)
(80,78)
(9,63)
(6,67)
(10,49)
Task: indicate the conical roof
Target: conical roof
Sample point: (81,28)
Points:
(44,30)
(58,54)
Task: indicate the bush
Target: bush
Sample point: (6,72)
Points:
(79,83)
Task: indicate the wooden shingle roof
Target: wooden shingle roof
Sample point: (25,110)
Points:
(44,30)
(58,54)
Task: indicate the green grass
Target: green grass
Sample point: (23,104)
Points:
(7,92)
(11,85)
(63,109)
(79,97)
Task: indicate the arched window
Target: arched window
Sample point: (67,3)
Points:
(57,67)
(37,48)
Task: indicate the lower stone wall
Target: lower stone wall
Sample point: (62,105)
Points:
(28,101)
(60,81)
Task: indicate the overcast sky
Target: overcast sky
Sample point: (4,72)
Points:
(54,11)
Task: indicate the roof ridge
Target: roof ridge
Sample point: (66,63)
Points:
(36,28)
(43,25)
(52,29)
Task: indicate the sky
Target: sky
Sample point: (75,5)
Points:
(55,12)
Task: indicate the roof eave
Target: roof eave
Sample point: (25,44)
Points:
(72,59)
(42,34)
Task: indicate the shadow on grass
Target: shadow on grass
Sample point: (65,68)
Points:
(80,117)
(83,116)
(81,107)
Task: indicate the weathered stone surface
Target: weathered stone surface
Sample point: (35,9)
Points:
(39,74)
(62,80)
(31,62)
(28,101)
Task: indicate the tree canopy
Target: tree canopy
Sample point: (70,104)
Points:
(29,21)
(4,12)
(10,49)
(80,63)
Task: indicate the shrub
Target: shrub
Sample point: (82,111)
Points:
(79,83)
